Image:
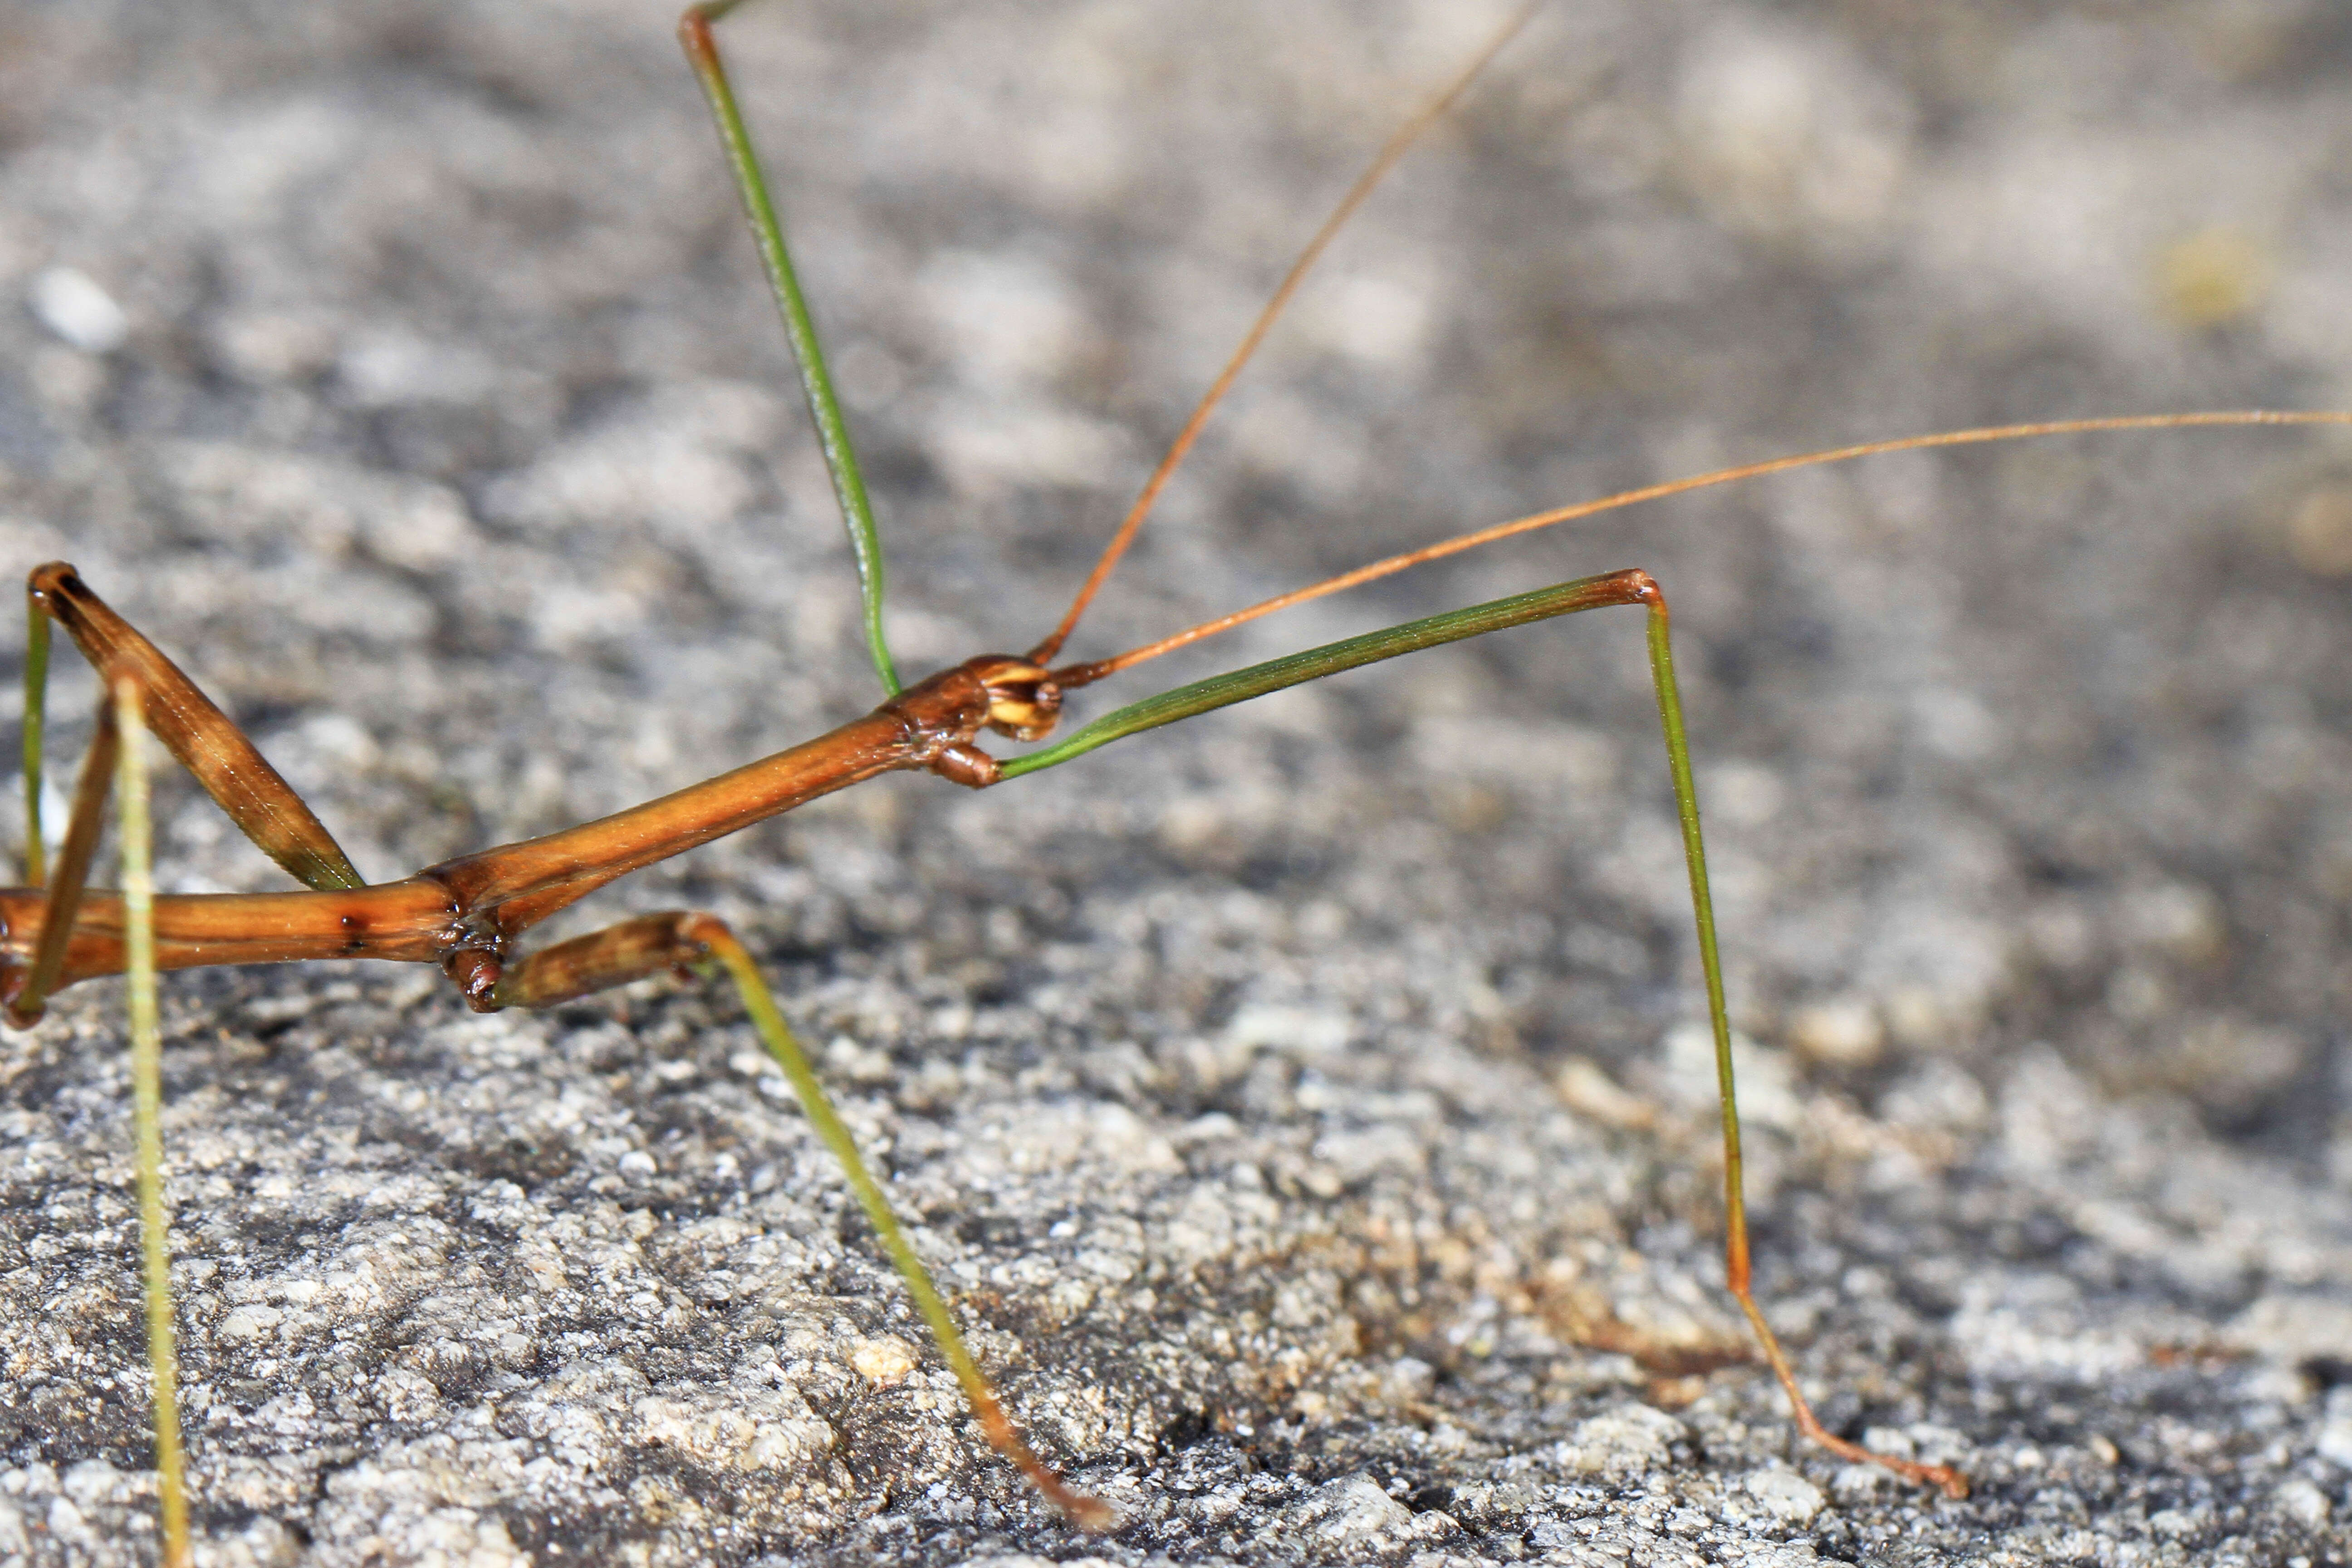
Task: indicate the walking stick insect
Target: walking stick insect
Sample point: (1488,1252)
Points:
(335,917)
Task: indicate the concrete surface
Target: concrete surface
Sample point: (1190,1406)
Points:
(1300,1103)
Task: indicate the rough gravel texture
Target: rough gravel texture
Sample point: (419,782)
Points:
(1301,1105)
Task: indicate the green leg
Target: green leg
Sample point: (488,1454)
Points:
(816,381)
(1944,1479)
(36,703)
(1522,609)
(147,1097)
(654,944)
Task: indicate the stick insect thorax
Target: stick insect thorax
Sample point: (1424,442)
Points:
(464,914)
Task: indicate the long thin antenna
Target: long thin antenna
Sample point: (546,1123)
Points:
(1084,674)
(1405,138)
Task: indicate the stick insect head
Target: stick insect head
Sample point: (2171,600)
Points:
(1024,700)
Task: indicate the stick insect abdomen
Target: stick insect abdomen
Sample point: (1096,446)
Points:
(405,920)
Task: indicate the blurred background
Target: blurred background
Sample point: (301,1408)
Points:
(406,374)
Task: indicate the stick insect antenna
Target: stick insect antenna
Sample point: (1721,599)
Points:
(1405,136)
(1086,674)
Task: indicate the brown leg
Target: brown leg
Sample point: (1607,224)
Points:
(263,806)
(29,989)
(652,945)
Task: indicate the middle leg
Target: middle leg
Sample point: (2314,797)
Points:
(699,944)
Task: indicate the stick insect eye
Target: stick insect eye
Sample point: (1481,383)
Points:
(1023,700)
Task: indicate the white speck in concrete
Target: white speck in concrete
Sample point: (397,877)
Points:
(1352,1511)
(1786,1495)
(73,305)
(2303,1503)
(2336,1433)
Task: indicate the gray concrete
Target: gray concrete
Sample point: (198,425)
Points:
(1297,1102)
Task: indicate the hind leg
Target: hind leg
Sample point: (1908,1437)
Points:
(191,725)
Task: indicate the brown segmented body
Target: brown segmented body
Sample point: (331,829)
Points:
(474,905)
